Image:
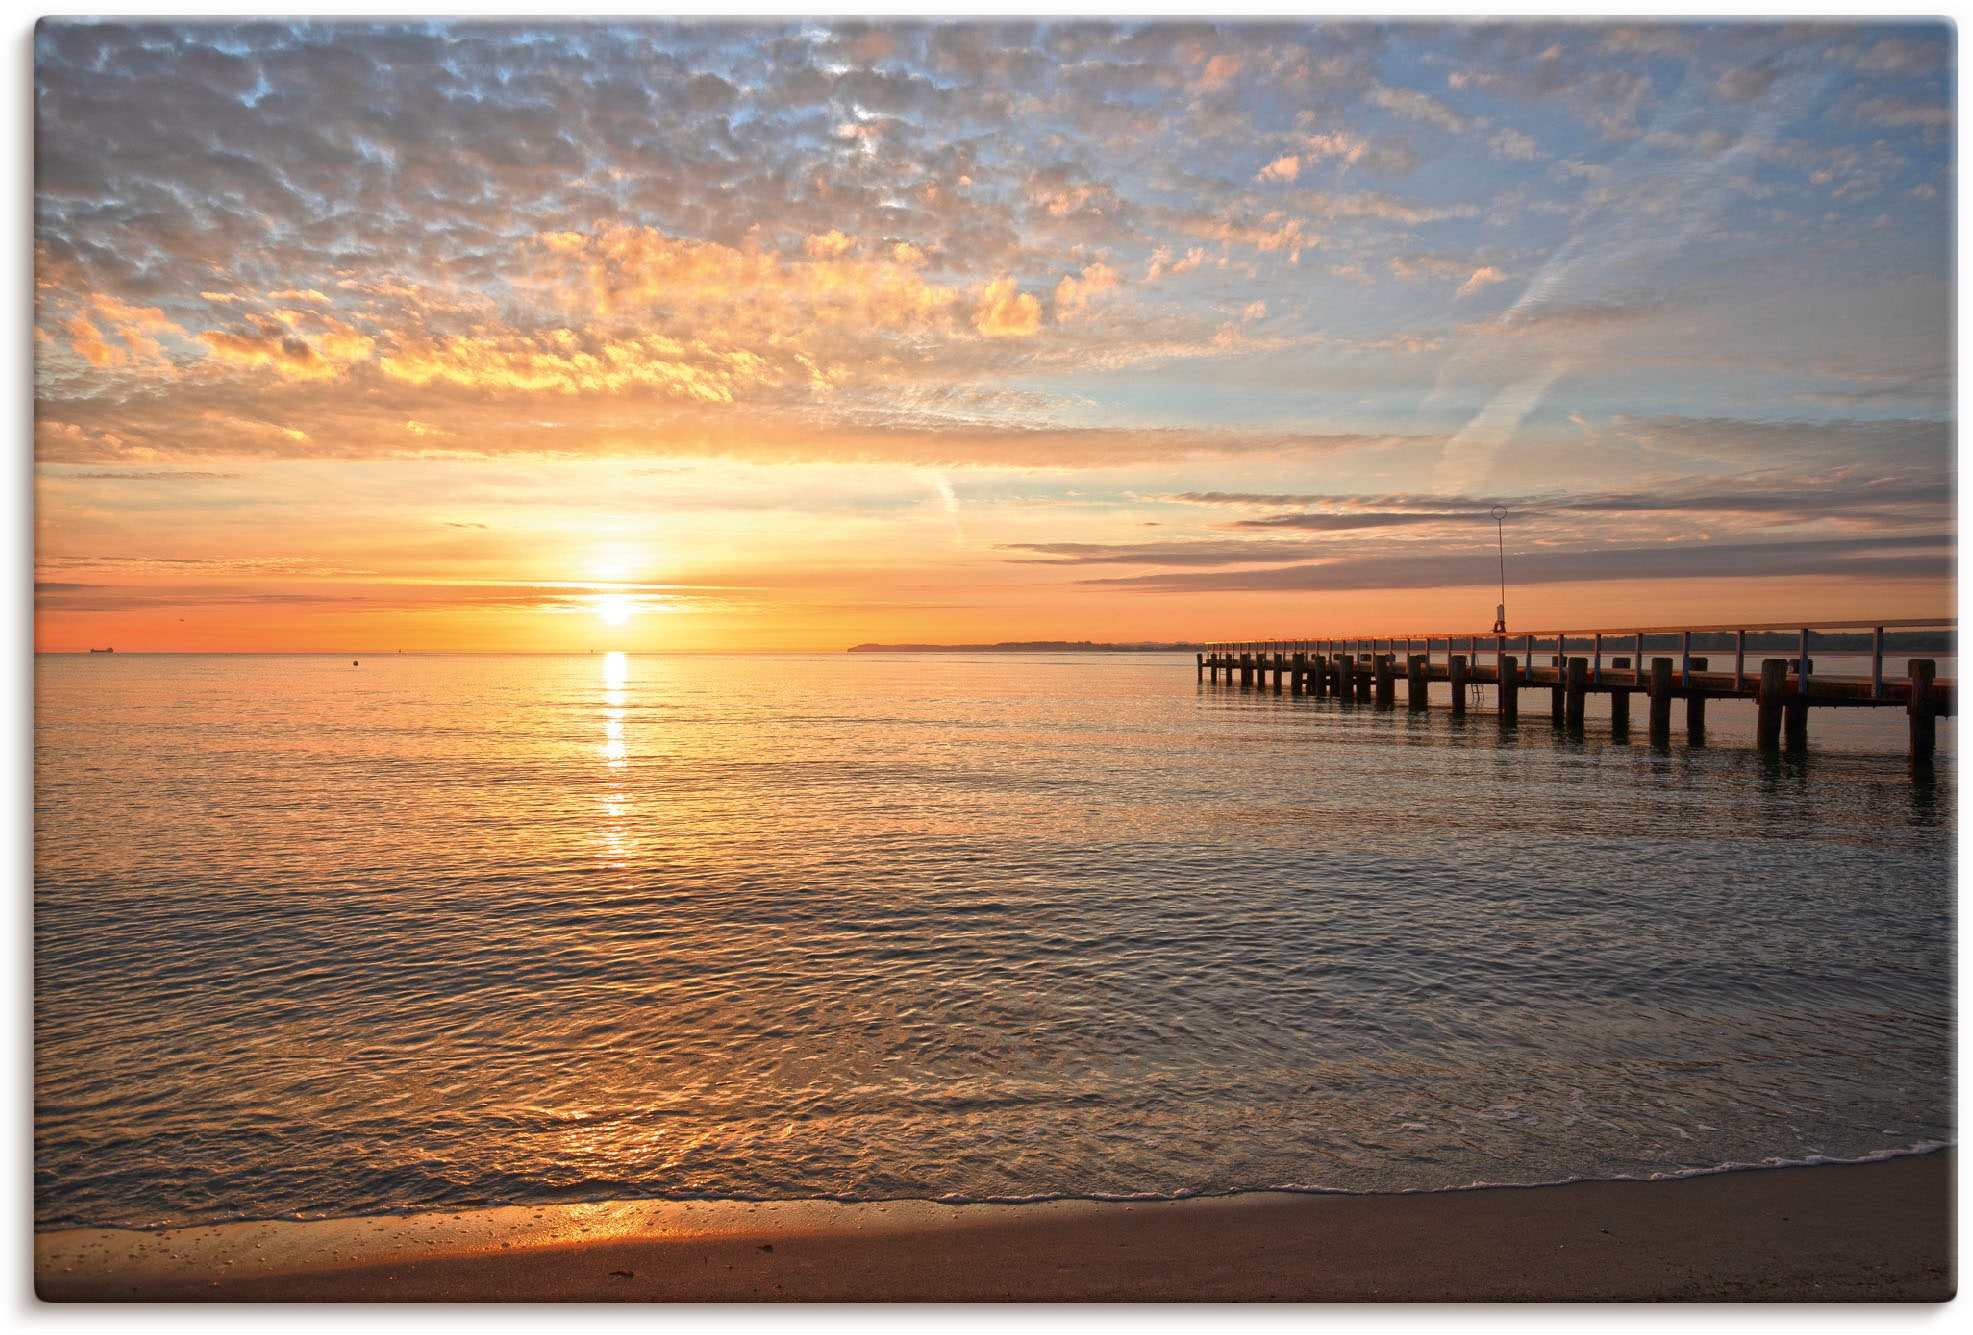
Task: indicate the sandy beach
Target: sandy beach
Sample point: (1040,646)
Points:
(1877,1232)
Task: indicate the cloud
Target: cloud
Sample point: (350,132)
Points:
(1208,553)
(1901,112)
(1349,521)
(151,475)
(135,329)
(1164,266)
(1341,144)
(563,362)
(1220,70)
(1898,55)
(1511,145)
(653,239)
(1073,293)
(631,271)
(1281,169)
(1923,557)
(1416,106)
(1745,83)
(287,356)
(1767,440)
(1004,311)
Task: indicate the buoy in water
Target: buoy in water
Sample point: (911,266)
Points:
(354,663)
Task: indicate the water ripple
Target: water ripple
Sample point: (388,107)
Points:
(461,931)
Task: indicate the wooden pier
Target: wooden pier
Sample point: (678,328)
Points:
(1575,664)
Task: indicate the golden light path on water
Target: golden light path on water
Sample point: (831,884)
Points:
(618,840)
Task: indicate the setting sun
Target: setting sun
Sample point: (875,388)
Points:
(614,608)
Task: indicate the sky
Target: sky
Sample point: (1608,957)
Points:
(720,336)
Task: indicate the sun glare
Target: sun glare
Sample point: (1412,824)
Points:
(614,608)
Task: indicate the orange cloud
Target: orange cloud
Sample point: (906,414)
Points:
(1163,264)
(1219,69)
(1481,278)
(1274,231)
(136,327)
(1072,294)
(1007,312)
(289,357)
(1281,169)
(562,363)
(1349,147)
(727,288)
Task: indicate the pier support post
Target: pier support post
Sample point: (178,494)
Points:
(1414,681)
(1795,722)
(1386,681)
(1510,689)
(1200,661)
(1578,687)
(1619,712)
(1346,677)
(1298,673)
(1320,676)
(1279,669)
(1363,674)
(1661,702)
(1924,718)
(1770,702)
(1456,674)
(1695,717)
(1246,669)
(1556,703)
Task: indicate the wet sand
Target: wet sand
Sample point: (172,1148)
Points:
(1878,1232)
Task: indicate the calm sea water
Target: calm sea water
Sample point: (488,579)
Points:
(314,939)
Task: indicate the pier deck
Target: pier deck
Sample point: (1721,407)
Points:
(1619,664)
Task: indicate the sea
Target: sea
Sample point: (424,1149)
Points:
(321,936)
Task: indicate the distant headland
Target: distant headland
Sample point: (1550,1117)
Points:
(1029,647)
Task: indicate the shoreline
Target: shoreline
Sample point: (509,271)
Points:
(1876,1231)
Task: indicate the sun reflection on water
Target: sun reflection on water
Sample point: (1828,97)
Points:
(616,838)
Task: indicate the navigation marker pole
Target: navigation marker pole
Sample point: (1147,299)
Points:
(1500,546)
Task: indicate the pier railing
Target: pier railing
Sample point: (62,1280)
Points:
(1613,662)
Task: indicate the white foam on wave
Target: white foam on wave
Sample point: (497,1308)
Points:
(1875,1156)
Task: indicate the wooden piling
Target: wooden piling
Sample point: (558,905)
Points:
(1924,718)
(1246,669)
(1661,702)
(1510,688)
(1620,710)
(1578,687)
(1795,722)
(1319,677)
(1456,673)
(1386,681)
(1199,661)
(1695,717)
(1363,677)
(1414,681)
(1770,703)
(1298,673)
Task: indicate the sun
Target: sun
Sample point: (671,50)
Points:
(614,608)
